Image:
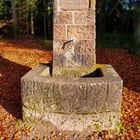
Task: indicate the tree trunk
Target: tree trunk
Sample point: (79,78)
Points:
(137,29)
(14,17)
(45,25)
(27,21)
(136,47)
(32,22)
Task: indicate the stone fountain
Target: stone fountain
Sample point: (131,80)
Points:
(77,94)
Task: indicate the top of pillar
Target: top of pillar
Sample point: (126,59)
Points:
(74,4)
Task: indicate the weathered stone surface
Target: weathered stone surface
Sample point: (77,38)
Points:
(33,94)
(59,59)
(71,60)
(64,18)
(48,101)
(114,94)
(85,47)
(75,122)
(85,52)
(59,32)
(80,54)
(61,101)
(102,121)
(58,46)
(82,17)
(72,72)
(75,95)
(79,97)
(81,32)
(72,4)
(92,5)
(82,58)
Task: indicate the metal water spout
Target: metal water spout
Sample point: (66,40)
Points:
(73,40)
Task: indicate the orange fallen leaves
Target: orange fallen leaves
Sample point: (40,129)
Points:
(18,56)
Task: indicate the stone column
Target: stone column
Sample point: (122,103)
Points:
(74,37)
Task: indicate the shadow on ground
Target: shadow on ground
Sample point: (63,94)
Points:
(10,91)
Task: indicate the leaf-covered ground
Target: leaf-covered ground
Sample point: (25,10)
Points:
(18,56)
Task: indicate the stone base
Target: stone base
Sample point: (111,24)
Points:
(73,104)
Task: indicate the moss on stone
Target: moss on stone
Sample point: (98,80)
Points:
(100,66)
(76,72)
(95,125)
(104,108)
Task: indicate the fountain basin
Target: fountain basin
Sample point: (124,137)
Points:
(73,103)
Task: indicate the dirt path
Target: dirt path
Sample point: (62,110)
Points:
(18,57)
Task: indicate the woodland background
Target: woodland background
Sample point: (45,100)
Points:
(118,21)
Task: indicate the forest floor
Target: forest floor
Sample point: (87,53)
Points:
(18,56)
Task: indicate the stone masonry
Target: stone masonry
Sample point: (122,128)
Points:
(74,36)
(73,98)
(73,104)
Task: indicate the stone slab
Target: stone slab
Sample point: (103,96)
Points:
(74,122)
(81,32)
(72,4)
(72,96)
(59,32)
(82,17)
(65,17)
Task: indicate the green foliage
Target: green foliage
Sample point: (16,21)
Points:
(7,32)
(5,10)
(119,128)
(125,4)
(98,126)
(1,9)
(31,3)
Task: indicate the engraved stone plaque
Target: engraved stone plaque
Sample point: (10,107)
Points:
(74,4)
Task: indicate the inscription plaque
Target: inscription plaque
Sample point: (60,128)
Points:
(74,4)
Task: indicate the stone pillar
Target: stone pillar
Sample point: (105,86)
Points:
(74,37)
